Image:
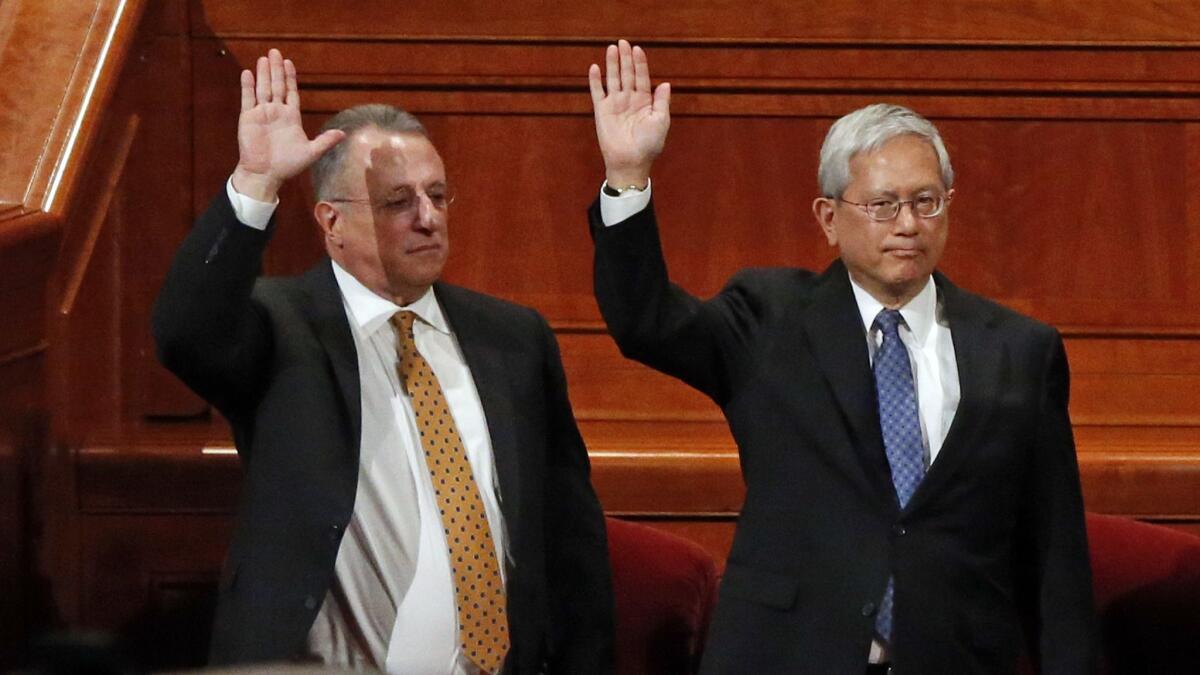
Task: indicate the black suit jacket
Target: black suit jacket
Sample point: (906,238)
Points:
(277,358)
(993,540)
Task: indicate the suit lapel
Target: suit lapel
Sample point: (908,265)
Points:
(834,330)
(981,360)
(489,370)
(333,331)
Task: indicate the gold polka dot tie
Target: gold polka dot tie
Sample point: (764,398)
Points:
(478,588)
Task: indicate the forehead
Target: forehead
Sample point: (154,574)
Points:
(902,163)
(406,157)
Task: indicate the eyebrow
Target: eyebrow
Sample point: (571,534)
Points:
(888,194)
(409,186)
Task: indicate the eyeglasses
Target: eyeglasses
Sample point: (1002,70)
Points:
(406,201)
(923,206)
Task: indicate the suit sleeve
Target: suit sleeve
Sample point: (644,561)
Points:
(206,327)
(658,323)
(1063,584)
(582,622)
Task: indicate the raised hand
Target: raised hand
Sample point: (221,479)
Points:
(631,119)
(272,145)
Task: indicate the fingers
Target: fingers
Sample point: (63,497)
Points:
(594,84)
(262,81)
(273,80)
(277,78)
(291,91)
(247,90)
(641,70)
(626,57)
(612,69)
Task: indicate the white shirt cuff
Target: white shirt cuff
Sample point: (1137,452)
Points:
(615,209)
(250,211)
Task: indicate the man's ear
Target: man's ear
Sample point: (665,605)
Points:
(823,211)
(327,218)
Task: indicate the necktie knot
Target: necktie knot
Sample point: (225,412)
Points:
(410,360)
(888,321)
(403,320)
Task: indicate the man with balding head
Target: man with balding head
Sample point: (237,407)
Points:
(416,495)
(912,495)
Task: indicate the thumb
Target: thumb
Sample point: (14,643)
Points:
(662,98)
(321,144)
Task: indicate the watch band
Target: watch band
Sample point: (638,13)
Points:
(618,191)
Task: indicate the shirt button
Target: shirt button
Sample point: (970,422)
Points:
(868,609)
(310,602)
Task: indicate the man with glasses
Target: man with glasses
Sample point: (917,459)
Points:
(416,496)
(912,494)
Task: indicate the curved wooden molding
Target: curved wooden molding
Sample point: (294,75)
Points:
(59,62)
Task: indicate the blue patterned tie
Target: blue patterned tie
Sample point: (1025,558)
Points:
(901,430)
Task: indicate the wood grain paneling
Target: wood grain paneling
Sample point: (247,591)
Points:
(874,21)
(1076,139)
(1075,155)
(52,106)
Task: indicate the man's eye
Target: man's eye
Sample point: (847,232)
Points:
(926,200)
(880,204)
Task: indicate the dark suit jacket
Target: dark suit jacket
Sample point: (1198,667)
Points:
(277,358)
(993,539)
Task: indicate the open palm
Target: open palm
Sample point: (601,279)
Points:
(631,119)
(272,145)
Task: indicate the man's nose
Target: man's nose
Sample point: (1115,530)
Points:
(426,212)
(906,218)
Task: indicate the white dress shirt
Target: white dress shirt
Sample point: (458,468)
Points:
(392,602)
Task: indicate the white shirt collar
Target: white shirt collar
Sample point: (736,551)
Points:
(919,314)
(370,311)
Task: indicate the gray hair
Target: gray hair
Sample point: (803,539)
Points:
(328,166)
(866,130)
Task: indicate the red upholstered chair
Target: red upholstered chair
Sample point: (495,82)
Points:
(665,589)
(1146,580)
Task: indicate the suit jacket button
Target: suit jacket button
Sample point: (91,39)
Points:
(868,609)
(899,530)
(310,602)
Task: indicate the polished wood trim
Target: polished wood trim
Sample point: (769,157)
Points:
(712,22)
(26,225)
(114,171)
(82,47)
(1144,482)
(1079,332)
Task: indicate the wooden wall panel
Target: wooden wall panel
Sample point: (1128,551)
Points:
(1075,158)
(1075,138)
(872,21)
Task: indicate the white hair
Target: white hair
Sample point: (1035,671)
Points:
(866,130)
